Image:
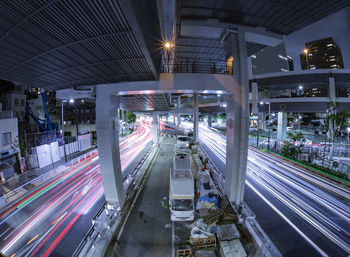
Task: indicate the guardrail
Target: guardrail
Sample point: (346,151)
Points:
(32,183)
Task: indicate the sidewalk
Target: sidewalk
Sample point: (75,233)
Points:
(29,175)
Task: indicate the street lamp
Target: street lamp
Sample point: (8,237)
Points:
(64,145)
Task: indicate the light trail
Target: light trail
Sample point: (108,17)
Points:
(323,204)
(37,224)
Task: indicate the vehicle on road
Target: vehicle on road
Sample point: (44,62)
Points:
(182,142)
(181,189)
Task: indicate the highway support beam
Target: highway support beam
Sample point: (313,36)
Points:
(255,108)
(178,120)
(155,128)
(281,126)
(210,120)
(332,94)
(237,120)
(195,117)
(107,129)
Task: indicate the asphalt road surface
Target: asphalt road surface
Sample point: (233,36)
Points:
(53,219)
(304,214)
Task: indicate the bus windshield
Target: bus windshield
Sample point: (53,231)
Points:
(182,205)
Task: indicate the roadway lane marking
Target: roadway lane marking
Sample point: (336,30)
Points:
(31,240)
(172,239)
(288,221)
(3,233)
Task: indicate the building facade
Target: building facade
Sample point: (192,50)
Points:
(321,54)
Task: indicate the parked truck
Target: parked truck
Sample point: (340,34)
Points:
(181,189)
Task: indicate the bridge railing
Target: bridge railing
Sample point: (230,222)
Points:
(189,65)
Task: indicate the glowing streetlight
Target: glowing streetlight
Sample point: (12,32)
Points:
(71,100)
(300,87)
(305,50)
(167,45)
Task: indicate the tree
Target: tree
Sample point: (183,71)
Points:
(298,140)
(130,117)
(289,150)
(292,149)
(335,122)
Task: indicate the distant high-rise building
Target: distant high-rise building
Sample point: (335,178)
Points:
(321,54)
(271,59)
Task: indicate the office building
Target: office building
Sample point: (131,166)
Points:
(321,54)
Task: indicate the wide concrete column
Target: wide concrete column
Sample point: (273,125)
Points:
(107,129)
(178,120)
(255,108)
(178,102)
(195,117)
(210,120)
(155,127)
(281,126)
(262,120)
(237,114)
(332,94)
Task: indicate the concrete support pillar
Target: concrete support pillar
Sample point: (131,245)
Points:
(250,68)
(124,115)
(262,120)
(237,121)
(266,93)
(178,102)
(195,117)
(210,120)
(255,108)
(107,129)
(281,126)
(155,127)
(121,112)
(332,95)
(178,120)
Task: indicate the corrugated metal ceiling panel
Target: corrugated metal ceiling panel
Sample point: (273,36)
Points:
(54,43)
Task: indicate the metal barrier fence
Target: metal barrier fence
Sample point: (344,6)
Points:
(195,66)
(40,138)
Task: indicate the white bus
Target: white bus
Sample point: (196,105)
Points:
(181,189)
